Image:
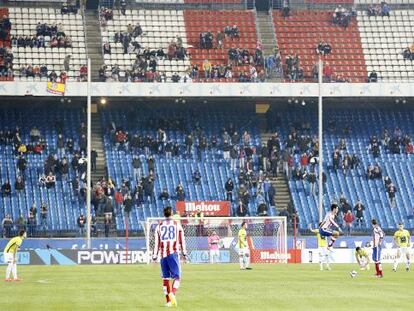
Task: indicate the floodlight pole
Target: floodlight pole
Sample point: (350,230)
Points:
(89,162)
(320,133)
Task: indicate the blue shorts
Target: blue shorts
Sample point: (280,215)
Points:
(325,232)
(170,267)
(376,254)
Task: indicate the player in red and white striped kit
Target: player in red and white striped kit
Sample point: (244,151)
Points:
(325,227)
(169,240)
(377,238)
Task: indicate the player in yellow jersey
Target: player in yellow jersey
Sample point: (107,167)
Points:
(10,255)
(322,249)
(403,241)
(244,253)
(362,258)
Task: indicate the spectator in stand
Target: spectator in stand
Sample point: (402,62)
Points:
(107,224)
(312,182)
(373,76)
(6,188)
(219,40)
(323,48)
(19,185)
(207,68)
(327,72)
(7,225)
(408,53)
(180,194)
(392,190)
(229,187)
(50,181)
(123,7)
(359,212)
(21,165)
(66,63)
(43,216)
(31,225)
(241,209)
(106,48)
(348,219)
(81,224)
(197,177)
(136,165)
(164,195)
(385,9)
(285,8)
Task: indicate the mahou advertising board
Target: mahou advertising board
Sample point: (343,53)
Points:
(208,208)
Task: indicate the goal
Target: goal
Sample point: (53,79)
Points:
(267,239)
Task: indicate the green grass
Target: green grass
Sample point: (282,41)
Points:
(204,287)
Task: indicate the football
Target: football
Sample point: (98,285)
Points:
(353,273)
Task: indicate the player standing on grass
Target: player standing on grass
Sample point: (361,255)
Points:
(362,258)
(10,255)
(325,227)
(403,241)
(244,254)
(169,239)
(213,245)
(323,252)
(378,237)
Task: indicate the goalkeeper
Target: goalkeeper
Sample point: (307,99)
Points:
(244,253)
(362,258)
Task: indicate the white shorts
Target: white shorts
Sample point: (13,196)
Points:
(244,251)
(214,253)
(404,251)
(8,257)
(323,251)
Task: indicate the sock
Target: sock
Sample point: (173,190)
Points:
(377,268)
(380,268)
(395,264)
(247,261)
(408,264)
(332,241)
(14,269)
(175,286)
(241,260)
(166,289)
(9,270)
(327,261)
(321,265)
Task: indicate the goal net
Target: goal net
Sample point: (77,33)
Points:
(266,237)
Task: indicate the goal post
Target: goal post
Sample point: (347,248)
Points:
(267,238)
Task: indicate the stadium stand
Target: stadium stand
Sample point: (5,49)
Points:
(25,22)
(15,140)
(383,41)
(142,123)
(354,184)
(159,28)
(199,21)
(302,30)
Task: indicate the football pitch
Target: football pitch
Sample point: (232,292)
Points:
(208,287)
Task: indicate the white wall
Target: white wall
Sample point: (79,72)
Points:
(215,89)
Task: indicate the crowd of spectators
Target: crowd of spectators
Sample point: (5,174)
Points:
(5,26)
(46,36)
(293,71)
(6,54)
(323,48)
(62,158)
(342,16)
(105,15)
(69,6)
(381,9)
